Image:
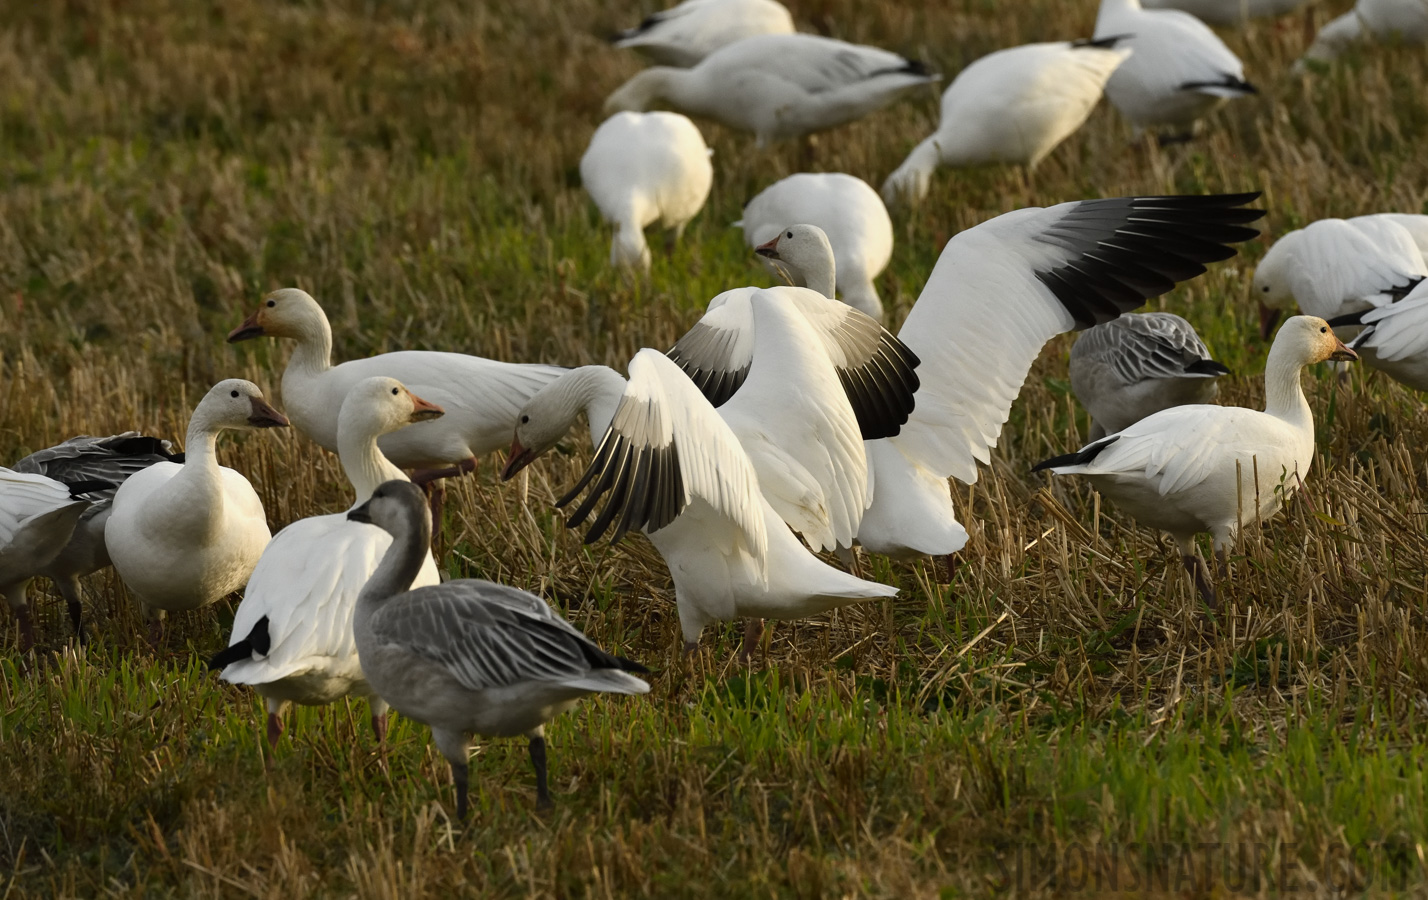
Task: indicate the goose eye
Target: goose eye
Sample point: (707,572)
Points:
(235,393)
(272,303)
(395,392)
(525,419)
(1324,330)
(1265,289)
(789,235)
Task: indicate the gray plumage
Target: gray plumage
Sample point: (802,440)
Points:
(1137,365)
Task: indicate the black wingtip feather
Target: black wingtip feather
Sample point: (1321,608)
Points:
(92,486)
(258,641)
(1105,43)
(1356,318)
(1207,367)
(1079,458)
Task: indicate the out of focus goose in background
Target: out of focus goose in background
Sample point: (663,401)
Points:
(1389,21)
(683,35)
(1228,12)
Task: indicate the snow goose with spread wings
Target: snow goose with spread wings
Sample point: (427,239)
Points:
(1137,365)
(777,86)
(1012,106)
(1195,469)
(468,656)
(292,635)
(683,35)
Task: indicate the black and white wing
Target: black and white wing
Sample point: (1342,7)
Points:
(1001,290)
(99,459)
(1147,346)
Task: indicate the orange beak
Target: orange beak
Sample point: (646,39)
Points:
(423,411)
(518,459)
(769,249)
(1342,353)
(264,416)
(249,329)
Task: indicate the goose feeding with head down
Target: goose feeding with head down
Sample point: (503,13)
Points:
(713,489)
(1180,70)
(1195,469)
(1013,106)
(467,656)
(777,86)
(182,536)
(292,635)
(104,461)
(999,292)
(683,35)
(851,217)
(1402,21)
(642,169)
(481,396)
(1137,365)
(1334,267)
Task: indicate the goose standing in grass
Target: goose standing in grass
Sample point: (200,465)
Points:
(707,486)
(778,86)
(182,536)
(683,35)
(292,636)
(1012,106)
(104,460)
(643,168)
(1137,365)
(481,396)
(1404,21)
(1395,338)
(1179,73)
(853,221)
(998,294)
(38,516)
(1334,267)
(1196,469)
(1228,12)
(468,656)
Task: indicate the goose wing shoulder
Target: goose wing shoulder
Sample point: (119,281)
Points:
(490,636)
(1398,331)
(86,458)
(812,63)
(1177,51)
(1146,347)
(1002,290)
(666,448)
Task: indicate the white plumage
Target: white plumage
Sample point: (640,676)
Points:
(182,536)
(1194,469)
(1395,338)
(683,35)
(1228,12)
(850,214)
(777,86)
(37,517)
(1180,71)
(481,396)
(292,635)
(643,168)
(1380,20)
(1012,106)
(1137,365)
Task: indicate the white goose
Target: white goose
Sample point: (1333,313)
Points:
(1381,20)
(852,219)
(1415,224)
(777,86)
(481,396)
(292,636)
(1137,365)
(37,517)
(185,535)
(105,461)
(999,292)
(1180,71)
(1395,338)
(683,35)
(1334,267)
(643,168)
(468,656)
(1196,469)
(1228,12)
(1012,106)
(703,484)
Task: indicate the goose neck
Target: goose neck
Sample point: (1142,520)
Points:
(594,390)
(313,353)
(399,567)
(366,466)
(1283,394)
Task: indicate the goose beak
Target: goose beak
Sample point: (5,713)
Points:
(1342,353)
(360,513)
(423,411)
(769,249)
(518,459)
(248,330)
(264,416)
(1268,318)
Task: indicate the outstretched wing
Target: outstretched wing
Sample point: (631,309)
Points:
(109,459)
(1003,289)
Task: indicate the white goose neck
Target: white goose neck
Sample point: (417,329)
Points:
(594,390)
(363,461)
(313,354)
(1283,394)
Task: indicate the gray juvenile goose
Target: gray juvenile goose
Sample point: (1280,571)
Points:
(469,656)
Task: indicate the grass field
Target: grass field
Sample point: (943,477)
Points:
(1062,718)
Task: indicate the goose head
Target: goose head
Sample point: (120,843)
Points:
(552,411)
(381,405)
(1271,284)
(1312,340)
(236,403)
(804,255)
(287,313)
(397,507)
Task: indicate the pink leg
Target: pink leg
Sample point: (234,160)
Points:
(27,629)
(379,727)
(275,729)
(753,633)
